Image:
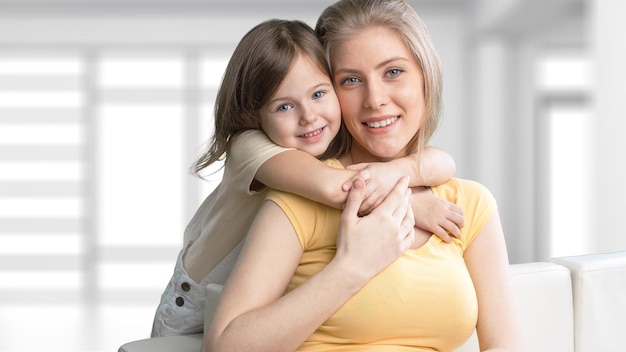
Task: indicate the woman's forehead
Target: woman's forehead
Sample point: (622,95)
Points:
(373,46)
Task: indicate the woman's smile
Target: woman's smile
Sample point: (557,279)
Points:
(377,124)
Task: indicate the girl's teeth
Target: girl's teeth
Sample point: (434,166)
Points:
(314,133)
(382,123)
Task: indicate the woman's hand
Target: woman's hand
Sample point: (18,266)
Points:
(370,243)
(436,215)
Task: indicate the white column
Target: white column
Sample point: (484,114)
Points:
(609,53)
(490,112)
(500,158)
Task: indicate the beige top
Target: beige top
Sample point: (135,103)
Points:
(225,216)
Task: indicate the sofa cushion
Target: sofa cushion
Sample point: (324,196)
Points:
(599,291)
(165,344)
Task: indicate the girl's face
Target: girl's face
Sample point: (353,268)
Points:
(304,112)
(380,87)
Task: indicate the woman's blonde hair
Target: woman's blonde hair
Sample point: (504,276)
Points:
(257,67)
(347,18)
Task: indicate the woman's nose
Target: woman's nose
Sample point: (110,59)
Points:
(376,96)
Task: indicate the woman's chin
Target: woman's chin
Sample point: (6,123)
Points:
(387,150)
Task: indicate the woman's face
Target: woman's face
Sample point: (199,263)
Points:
(380,89)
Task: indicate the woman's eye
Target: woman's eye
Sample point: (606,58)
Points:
(318,94)
(394,72)
(350,80)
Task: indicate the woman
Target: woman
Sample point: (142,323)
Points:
(311,278)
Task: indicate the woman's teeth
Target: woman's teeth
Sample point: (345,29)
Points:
(382,123)
(314,133)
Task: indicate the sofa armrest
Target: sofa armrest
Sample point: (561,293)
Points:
(599,289)
(543,293)
(544,296)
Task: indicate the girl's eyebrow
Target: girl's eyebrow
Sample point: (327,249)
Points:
(315,87)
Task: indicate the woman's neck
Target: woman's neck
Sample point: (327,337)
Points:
(358,154)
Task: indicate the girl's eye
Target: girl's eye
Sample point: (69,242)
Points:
(349,81)
(284,107)
(394,72)
(318,94)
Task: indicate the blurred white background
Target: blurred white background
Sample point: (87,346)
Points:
(105,104)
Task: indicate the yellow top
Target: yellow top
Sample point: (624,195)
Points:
(423,301)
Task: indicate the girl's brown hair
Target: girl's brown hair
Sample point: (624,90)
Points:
(255,71)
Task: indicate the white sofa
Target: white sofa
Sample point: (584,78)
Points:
(567,304)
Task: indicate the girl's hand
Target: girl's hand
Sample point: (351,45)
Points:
(436,215)
(380,179)
(366,245)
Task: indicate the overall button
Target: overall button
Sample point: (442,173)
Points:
(180,301)
(185,286)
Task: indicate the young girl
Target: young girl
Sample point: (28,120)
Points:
(275,110)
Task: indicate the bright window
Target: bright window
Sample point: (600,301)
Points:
(563,79)
(569,178)
(95,150)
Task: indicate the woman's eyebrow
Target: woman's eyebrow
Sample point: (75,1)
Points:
(378,66)
(390,60)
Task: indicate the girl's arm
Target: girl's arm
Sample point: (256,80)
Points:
(435,167)
(486,258)
(300,173)
(255,314)
(255,161)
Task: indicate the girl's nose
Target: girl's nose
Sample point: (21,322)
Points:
(307,116)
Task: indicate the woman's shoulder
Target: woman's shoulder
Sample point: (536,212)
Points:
(296,205)
(462,190)
(477,202)
(334,163)
(309,218)
(471,195)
